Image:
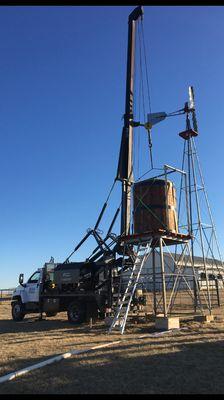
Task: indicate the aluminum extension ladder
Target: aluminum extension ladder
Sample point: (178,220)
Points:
(121,315)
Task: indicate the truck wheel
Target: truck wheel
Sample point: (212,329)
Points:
(17,311)
(51,314)
(76,313)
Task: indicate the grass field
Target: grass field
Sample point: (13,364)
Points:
(186,361)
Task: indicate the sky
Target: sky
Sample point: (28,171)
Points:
(62,96)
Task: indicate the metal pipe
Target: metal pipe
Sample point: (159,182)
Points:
(191,222)
(113,222)
(174,169)
(163,277)
(166,197)
(154,280)
(199,224)
(78,246)
(100,216)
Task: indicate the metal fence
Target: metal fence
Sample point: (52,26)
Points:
(5,294)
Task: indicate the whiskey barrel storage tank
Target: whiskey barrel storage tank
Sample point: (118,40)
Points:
(154,206)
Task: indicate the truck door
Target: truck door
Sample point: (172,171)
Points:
(33,287)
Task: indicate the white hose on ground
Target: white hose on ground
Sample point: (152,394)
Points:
(51,360)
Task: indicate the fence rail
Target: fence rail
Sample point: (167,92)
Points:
(5,294)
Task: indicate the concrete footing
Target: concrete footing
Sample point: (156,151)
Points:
(167,323)
(204,318)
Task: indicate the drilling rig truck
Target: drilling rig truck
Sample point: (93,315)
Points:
(83,289)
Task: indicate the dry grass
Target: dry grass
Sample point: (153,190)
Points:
(186,361)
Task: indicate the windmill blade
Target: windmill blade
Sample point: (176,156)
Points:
(192,108)
(191,97)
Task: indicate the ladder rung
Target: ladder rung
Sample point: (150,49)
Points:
(126,299)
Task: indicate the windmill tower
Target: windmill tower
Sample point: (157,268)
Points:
(204,241)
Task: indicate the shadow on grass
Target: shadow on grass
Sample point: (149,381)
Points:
(51,326)
(190,368)
(34,325)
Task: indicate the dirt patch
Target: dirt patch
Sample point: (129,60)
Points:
(185,361)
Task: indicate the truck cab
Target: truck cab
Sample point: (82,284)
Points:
(25,297)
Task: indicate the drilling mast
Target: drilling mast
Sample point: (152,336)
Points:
(125,164)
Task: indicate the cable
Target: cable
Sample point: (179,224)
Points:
(147,172)
(112,187)
(142,87)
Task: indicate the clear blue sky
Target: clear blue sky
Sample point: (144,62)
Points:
(62,88)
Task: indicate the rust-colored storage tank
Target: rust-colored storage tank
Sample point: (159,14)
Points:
(151,211)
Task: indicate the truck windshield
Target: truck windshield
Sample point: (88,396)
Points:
(35,277)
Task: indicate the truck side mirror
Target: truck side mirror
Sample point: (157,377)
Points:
(21,278)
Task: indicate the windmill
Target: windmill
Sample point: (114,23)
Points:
(204,241)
